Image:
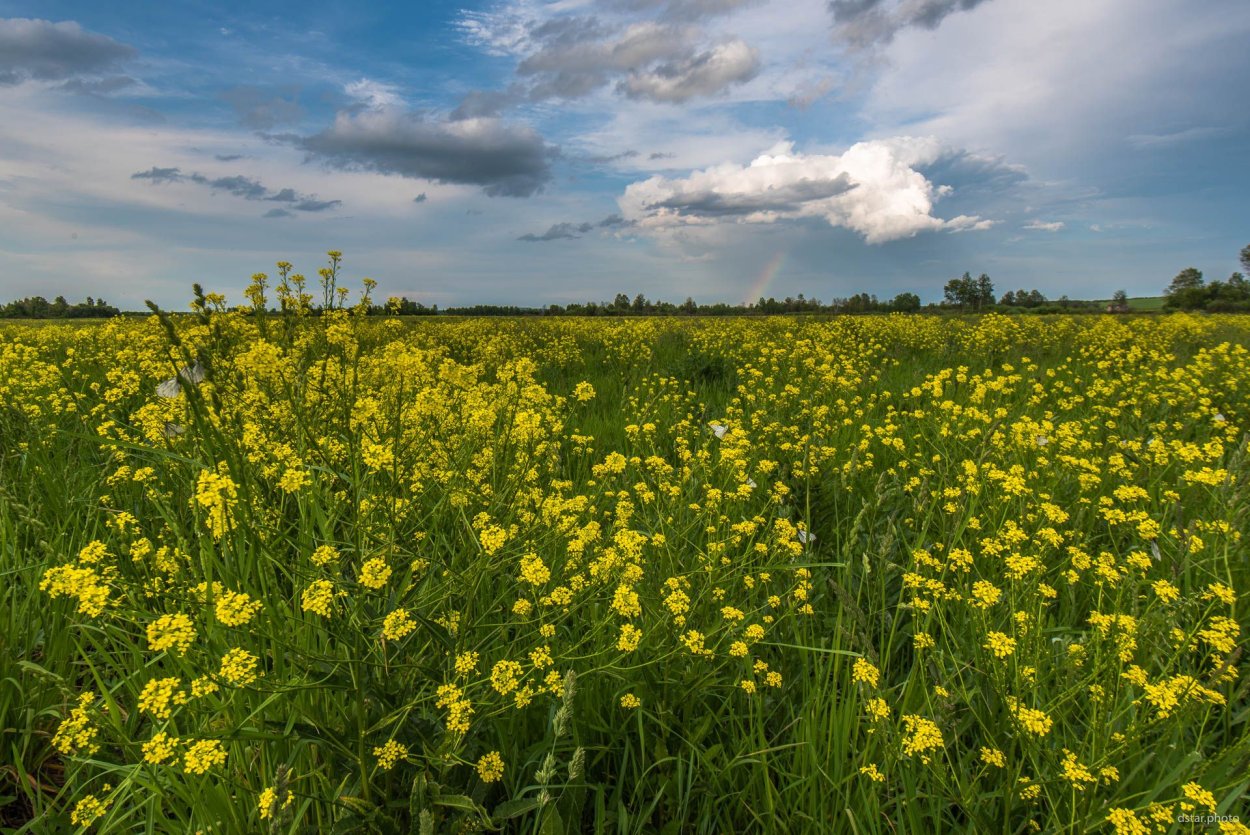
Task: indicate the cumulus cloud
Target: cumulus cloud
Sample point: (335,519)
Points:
(240,186)
(505,160)
(874,188)
(1044,226)
(45,51)
(866,22)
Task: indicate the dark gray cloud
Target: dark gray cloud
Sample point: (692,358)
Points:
(262,110)
(238,185)
(420,198)
(158,175)
(504,160)
(559,231)
(47,51)
(609,158)
(241,186)
(227,157)
(615,221)
(310,205)
(566,231)
(863,23)
(785,198)
(660,155)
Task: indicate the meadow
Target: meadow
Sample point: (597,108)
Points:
(853,574)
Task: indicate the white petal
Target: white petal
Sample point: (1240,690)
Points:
(193,373)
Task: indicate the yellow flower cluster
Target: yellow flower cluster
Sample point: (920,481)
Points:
(389,754)
(490,767)
(174,632)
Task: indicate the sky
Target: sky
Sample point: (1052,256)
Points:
(553,151)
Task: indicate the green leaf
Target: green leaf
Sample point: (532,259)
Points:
(515,808)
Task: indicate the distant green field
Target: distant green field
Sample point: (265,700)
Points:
(1141,303)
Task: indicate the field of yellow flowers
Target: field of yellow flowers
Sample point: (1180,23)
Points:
(882,574)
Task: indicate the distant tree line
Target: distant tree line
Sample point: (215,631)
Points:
(962,295)
(640,305)
(37,307)
(1188,291)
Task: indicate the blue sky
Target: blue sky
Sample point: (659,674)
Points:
(531,152)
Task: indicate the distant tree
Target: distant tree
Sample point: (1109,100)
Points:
(1230,295)
(1245,258)
(1119,297)
(621,302)
(640,304)
(905,303)
(1008,299)
(961,291)
(984,296)
(1186,292)
(689,307)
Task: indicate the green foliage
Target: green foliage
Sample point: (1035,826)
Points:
(37,307)
(1188,291)
(968,293)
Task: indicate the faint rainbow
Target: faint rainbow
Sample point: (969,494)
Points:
(759,287)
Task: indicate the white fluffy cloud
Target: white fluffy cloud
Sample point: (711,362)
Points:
(873,188)
(1044,226)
